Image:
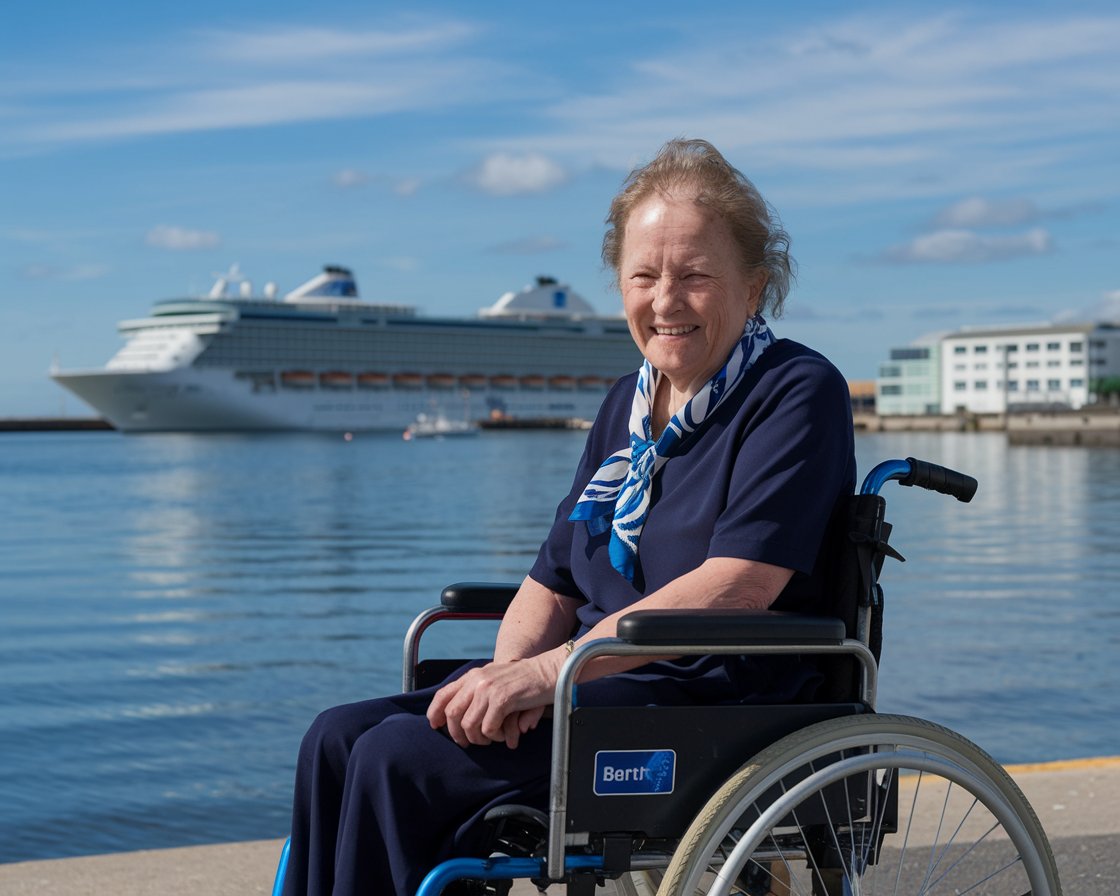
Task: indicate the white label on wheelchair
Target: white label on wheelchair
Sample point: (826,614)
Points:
(635,772)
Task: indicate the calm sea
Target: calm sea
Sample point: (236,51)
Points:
(175,609)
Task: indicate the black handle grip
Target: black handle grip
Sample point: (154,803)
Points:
(923,474)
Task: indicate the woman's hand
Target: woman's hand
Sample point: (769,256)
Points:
(497,702)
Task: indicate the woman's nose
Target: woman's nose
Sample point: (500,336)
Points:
(666,296)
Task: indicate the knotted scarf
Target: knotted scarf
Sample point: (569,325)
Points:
(618,495)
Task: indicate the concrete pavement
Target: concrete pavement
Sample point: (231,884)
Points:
(1078,803)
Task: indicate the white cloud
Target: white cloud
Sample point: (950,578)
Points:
(956,246)
(349,178)
(505,174)
(408,186)
(287,45)
(270,76)
(77,273)
(979,212)
(1107,309)
(181,239)
(530,245)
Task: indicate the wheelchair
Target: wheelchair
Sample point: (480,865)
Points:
(827,798)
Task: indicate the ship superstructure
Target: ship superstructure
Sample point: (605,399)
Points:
(321,359)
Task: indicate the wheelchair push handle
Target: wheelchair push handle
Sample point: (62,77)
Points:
(923,474)
(939,479)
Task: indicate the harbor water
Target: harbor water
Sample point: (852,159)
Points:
(175,609)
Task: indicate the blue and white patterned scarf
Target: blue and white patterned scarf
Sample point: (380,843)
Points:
(617,497)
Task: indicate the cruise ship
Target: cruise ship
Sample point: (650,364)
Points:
(321,359)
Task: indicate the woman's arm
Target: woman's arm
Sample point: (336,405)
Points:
(506,698)
(502,700)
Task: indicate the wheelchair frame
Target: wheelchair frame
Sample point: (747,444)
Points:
(779,779)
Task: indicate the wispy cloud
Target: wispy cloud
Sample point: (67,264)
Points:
(890,106)
(180,239)
(349,179)
(75,274)
(530,245)
(506,174)
(286,45)
(968,246)
(979,212)
(245,79)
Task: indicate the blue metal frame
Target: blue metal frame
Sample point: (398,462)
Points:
(883,473)
(282,868)
(498,868)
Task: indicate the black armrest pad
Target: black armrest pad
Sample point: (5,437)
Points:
(719,627)
(478,597)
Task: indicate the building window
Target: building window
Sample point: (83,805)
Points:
(1053,385)
(980,385)
(1053,346)
(959,349)
(960,386)
(1032,346)
(1077,383)
(1077,346)
(979,349)
(1032,385)
(890,390)
(1012,385)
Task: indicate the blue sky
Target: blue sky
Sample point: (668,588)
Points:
(937,165)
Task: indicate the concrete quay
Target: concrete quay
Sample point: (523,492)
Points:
(1078,802)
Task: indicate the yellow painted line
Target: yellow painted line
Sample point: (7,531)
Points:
(1064,765)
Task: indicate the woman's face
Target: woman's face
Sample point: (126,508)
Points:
(686,294)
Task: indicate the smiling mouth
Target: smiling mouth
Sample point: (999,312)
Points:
(674,331)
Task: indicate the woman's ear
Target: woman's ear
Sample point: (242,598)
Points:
(758,285)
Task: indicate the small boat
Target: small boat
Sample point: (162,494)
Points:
(562,382)
(532,381)
(408,381)
(438,426)
(503,381)
(473,381)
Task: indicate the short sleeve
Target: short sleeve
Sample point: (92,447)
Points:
(794,459)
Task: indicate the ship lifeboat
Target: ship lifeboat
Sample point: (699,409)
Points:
(336,379)
(441,381)
(562,382)
(503,381)
(591,383)
(297,379)
(473,381)
(533,381)
(408,381)
(372,380)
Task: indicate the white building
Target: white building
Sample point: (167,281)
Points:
(1017,368)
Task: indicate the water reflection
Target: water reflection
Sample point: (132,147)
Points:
(176,609)
(1003,622)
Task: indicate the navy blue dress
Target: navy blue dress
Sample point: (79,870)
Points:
(381,798)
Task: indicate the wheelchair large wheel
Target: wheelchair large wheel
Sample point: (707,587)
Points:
(866,804)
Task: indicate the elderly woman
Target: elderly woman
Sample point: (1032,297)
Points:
(708,480)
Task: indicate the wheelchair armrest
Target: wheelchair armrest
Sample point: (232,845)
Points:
(478,597)
(728,626)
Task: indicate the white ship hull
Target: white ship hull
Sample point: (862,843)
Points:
(190,400)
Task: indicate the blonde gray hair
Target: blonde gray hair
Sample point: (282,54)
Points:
(699,167)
